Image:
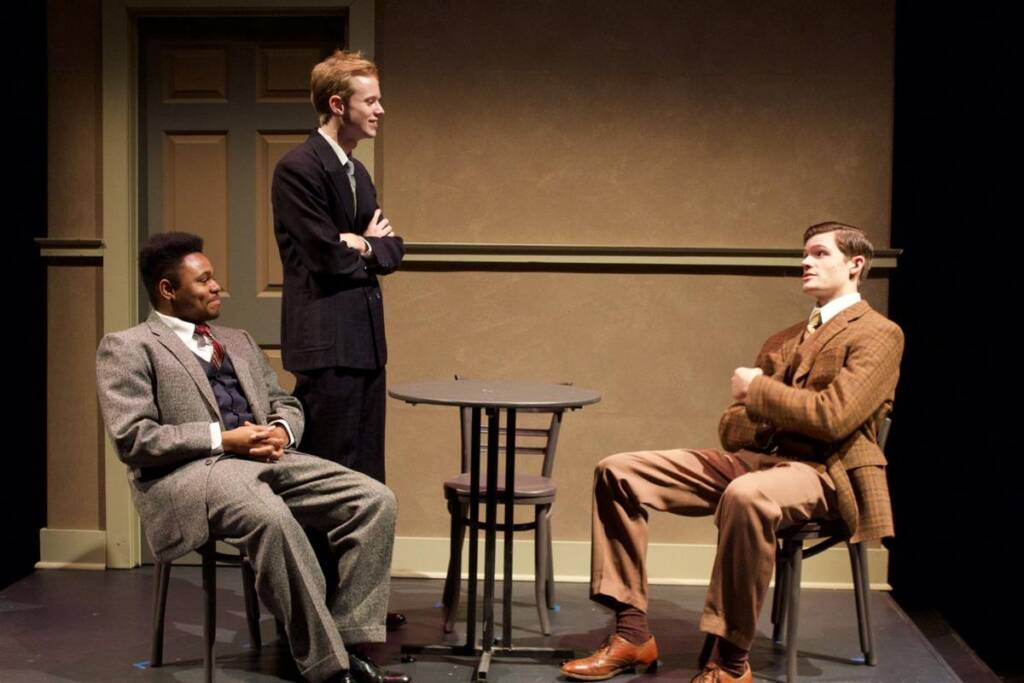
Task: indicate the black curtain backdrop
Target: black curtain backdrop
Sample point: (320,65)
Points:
(24,459)
(954,452)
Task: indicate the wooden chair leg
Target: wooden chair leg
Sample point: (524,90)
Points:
(541,551)
(861,588)
(162,578)
(793,609)
(209,607)
(252,604)
(453,579)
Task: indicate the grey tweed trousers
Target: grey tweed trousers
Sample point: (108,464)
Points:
(261,508)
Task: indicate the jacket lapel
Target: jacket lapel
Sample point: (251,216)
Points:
(339,181)
(812,346)
(188,360)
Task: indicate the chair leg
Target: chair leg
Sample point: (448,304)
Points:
(778,597)
(549,578)
(861,587)
(252,604)
(162,578)
(705,651)
(541,552)
(453,580)
(209,607)
(793,609)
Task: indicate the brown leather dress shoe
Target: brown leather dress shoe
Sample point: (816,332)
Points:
(713,674)
(614,656)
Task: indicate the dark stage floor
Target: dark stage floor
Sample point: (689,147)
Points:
(96,626)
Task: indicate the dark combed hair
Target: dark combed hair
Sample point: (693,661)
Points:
(160,257)
(851,242)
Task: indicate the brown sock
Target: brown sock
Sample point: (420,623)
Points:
(731,658)
(631,624)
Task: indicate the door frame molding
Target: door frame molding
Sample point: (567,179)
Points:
(120,60)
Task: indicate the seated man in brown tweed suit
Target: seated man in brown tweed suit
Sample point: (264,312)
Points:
(800,441)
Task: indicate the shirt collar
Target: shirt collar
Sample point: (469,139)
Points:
(834,307)
(178,326)
(342,157)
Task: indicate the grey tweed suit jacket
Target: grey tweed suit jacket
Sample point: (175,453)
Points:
(157,404)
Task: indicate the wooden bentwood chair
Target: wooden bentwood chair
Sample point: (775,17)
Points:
(789,556)
(211,557)
(538,491)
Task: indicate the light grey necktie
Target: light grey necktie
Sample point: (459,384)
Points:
(350,171)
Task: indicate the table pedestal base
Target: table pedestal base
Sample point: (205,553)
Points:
(483,667)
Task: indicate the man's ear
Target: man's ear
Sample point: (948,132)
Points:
(165,289)
(337,105)
(856,267)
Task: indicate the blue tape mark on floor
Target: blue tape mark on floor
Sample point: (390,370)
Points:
(438,605)
(557,607)
(144,664)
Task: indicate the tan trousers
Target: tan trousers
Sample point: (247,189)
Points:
(751,496)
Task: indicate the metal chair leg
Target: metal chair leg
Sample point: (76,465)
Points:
(549,578)
(861,588)
(453,580)
(252,605)
(162,578)
(705,652)
(541,550)
(209,607)
(779,597)
(793,609)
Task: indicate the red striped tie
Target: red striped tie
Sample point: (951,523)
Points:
(203,330)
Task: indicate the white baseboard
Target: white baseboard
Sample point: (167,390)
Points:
(687,564)
(72,549)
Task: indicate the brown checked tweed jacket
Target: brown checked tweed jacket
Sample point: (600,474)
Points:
(823,400)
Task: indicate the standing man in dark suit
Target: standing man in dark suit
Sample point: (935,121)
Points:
(334,243)
(799,442)
(197,414)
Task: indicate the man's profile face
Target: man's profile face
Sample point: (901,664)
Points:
(197,297)
(828,273)
(361,116)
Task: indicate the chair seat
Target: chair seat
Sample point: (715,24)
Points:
(526,486)
(812,529)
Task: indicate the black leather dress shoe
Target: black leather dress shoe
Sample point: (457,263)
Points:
(362,670)
(394,621)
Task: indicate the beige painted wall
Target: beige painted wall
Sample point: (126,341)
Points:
(74,288)
(652,123)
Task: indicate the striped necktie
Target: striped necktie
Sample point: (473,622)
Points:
(203,331)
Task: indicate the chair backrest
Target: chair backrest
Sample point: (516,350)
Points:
(883,432)
(538,439)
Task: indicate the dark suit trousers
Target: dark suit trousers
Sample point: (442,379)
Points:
(344,423)
(345,417)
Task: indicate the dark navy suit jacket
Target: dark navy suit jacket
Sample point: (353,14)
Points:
(332,310)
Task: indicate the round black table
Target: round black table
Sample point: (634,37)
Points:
(492,397)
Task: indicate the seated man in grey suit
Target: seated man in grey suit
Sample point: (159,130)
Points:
(199,418)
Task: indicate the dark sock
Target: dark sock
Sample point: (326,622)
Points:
(631,624)
(731,658)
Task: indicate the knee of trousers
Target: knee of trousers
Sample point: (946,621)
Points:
(613,469)
(743,502)
(382,501)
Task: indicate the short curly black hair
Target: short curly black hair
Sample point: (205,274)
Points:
(161,256)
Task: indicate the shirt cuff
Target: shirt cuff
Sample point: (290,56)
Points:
(216,442)
(291,437)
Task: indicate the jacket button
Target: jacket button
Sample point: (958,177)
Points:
(209,461)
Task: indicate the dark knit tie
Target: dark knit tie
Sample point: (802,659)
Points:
(203,330)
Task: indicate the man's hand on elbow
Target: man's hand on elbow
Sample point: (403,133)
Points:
(741,379)
(379,226)
(259,442)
